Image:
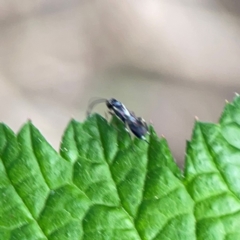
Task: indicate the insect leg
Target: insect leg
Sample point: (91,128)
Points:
(144,139)
(128,130)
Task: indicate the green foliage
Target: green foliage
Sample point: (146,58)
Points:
(105,186)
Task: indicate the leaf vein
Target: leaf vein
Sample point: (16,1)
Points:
(24,203)
(216,165)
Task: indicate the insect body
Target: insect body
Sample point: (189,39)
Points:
(115,107)
(135,124)
(118,109)
(138,127)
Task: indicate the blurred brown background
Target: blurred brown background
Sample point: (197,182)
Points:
(167,60)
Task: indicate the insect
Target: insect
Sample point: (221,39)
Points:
(136,125)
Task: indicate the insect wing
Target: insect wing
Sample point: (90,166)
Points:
(121,111)
(138,127)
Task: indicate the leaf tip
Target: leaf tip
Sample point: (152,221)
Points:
(72,120)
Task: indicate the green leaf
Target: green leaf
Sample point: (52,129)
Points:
(105,186)
(212,172)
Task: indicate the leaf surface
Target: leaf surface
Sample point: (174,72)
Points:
(104,185)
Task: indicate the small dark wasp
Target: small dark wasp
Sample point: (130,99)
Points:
(136,125)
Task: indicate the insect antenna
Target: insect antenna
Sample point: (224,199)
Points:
(93,102)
